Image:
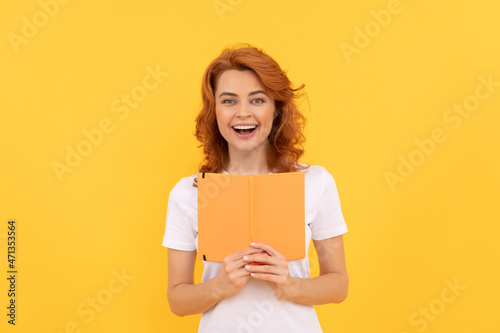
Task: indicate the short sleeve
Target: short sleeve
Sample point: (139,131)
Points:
(179,233)
(329,221)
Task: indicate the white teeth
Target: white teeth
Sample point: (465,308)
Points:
(244,127)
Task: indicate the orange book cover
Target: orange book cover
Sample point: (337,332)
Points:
(234,210)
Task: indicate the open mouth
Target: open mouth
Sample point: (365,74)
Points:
(245,129)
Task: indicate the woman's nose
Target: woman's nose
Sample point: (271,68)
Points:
(243,112)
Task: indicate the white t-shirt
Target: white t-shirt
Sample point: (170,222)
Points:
(255,308)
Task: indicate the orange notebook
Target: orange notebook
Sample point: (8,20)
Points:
(234,210)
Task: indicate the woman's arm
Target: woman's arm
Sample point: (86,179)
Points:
(329,287)
(186,298)
(332,284)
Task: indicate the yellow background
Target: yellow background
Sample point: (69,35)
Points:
(405,242)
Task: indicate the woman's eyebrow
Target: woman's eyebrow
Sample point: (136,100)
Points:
(250,94)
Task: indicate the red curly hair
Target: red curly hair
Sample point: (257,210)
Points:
(286,137)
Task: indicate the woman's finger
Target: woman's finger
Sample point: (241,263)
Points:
(243,252)
(268,269)
(268,248)
(261,258)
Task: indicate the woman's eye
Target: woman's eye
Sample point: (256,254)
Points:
(232,101)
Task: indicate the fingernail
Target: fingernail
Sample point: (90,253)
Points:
(245,258)
(252,243)
(247,266)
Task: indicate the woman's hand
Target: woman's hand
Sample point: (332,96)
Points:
(272,267)
(233,275)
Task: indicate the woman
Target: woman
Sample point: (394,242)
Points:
(250,124)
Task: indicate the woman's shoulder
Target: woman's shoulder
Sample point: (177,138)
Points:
(184,185)
(312,170)
(318,175)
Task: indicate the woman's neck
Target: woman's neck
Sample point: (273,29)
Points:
(247,164)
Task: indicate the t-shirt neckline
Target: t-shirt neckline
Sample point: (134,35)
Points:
(224,171)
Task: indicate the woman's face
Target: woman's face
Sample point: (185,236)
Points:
(240,100)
